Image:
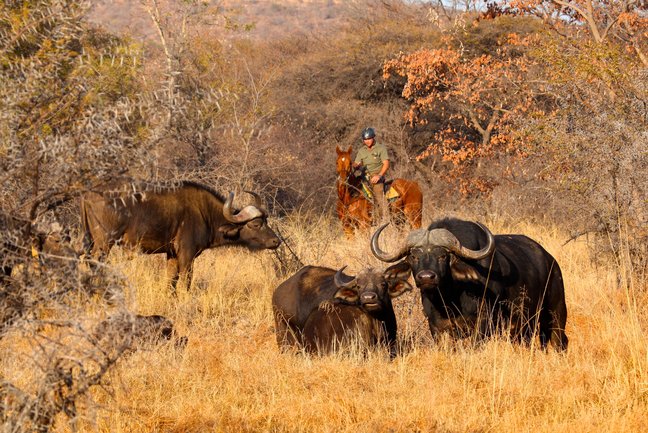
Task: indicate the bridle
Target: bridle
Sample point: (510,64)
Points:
(348,186)
(343,180)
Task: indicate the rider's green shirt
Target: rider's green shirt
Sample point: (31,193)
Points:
(372,158)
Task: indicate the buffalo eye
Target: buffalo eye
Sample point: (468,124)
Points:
(255,224)
(442,258)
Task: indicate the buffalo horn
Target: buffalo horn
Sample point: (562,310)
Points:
(382,255)
(339,277)
(479,254)
(258,202)
(248,213)
(438,237)
(444,238)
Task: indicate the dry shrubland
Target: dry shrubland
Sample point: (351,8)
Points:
(238,96)
(231,376)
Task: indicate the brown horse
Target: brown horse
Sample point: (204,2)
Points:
(355,211)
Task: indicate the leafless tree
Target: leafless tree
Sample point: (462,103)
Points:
(69,118)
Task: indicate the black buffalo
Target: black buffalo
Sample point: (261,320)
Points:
(471,279)
(319,308)
(180,222)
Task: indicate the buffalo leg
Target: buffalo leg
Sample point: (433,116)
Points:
(559,338)
(476,317)
(521,330)
(390,332)
(436,323)
(172,272)
(93,259)
(552,327)
(287,335)
(545,329)
(523,319)
(185,267)
(553,317)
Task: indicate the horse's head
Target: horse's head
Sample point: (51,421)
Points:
(343,165)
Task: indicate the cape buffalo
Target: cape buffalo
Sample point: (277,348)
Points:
(320,308)
(469,277)
(180,222)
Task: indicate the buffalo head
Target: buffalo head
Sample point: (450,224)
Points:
(434,256)
(371,290)
(249,226)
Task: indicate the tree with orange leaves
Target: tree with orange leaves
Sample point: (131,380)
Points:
(477,98)
(592,143)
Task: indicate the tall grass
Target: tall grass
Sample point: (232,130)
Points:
(231,376)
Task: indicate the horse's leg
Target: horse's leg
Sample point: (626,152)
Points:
(412,203)
(413,210)
(347,225)
(358,215)
(365,214)
(397,212)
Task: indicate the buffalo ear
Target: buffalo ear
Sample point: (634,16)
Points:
(230,231)
(400,271)
(398,287)
(462,271)
(348,295)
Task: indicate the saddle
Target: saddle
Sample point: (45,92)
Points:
(390,193)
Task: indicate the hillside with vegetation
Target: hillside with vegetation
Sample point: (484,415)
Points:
(528,116)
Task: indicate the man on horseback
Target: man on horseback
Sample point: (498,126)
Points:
(374,159)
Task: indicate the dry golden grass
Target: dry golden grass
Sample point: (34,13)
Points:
(231,376)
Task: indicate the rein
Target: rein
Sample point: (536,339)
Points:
(345,187)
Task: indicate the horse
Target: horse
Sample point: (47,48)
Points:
(355,211)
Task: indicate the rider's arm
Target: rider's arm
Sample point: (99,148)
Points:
(384,156)
(384,168)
